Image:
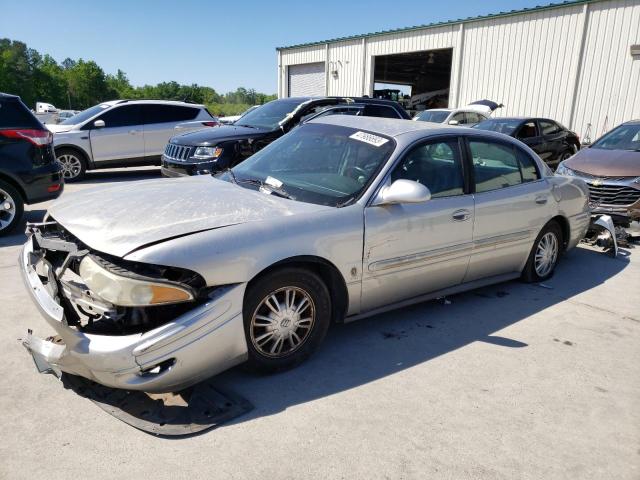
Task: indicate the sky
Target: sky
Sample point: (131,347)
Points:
(220,44)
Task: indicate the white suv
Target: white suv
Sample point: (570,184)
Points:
(123,133)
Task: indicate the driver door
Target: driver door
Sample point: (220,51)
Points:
(413,249)
(122,136)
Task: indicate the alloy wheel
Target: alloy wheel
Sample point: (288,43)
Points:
(7,209)
(546,254)
(282,322)
(71,166)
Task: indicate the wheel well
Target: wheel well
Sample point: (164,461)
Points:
(329,274)
(566,230)
(76,149)
(15,185)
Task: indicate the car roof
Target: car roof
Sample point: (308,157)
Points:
(151,101)
(391,127)
(8,96)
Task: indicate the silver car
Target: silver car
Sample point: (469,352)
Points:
(342,218)
(123,133)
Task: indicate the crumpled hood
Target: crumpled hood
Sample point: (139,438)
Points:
(606,163)
(119,219)
(214,135)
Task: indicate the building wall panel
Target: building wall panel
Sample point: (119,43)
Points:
(609,85)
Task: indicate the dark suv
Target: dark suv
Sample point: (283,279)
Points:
(216,149)
(29,172)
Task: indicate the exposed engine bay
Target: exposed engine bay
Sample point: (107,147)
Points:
(60,255)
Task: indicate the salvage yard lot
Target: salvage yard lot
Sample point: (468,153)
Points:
(510,381)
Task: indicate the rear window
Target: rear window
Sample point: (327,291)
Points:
(168,113)
(13,114)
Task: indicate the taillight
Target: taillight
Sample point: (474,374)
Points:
(210,124)
(39,138)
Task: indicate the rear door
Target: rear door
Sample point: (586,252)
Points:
(512,203)
(554,138)
(121,138)
(529,134)
(413,249)
(161,122)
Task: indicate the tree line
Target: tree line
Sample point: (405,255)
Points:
(79,84)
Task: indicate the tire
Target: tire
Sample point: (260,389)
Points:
(278,337)
(11,208)
(538,270)
(74,164)
(565,155)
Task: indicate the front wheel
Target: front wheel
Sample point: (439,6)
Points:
(11,208)
(544,254)
(286,316)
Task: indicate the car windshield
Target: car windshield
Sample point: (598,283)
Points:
(435,116)
(624,137)
(269,115)
(316,163)
(85,114)
(500,125)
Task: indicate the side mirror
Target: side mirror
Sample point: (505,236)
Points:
(403,191)
(454,122)
(98,124)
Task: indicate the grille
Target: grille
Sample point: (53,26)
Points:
(613,194)
(600,177)
(177,152)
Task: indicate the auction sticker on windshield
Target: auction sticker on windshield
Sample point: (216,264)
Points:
(369,138)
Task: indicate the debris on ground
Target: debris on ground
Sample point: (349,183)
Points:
(189,411)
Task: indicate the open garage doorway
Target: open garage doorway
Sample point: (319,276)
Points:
(419,80)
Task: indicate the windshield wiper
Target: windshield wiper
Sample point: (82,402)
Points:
(232,175)
(278,191)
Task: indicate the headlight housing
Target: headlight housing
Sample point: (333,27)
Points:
(565,171)
(207,153)
(126,291)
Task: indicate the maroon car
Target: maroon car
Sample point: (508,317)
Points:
(611,168)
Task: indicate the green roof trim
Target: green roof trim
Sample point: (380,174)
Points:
(538,8)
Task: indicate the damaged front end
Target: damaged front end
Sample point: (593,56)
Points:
(125,324)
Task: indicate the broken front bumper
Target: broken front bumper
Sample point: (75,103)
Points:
(194,346)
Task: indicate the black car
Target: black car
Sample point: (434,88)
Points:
(549,139)
(29,172)
(218,148)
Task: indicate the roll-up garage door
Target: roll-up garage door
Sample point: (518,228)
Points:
(306,80)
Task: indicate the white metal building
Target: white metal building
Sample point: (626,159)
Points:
(577,62)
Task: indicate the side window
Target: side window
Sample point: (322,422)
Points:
(472,117)
(495,165)
(436,165)
(122,116)
(548,127)
(168,113)
(379,111)
(528,130)
(459,117)
(527,166)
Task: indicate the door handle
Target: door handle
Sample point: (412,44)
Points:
(461,215)
(541,200)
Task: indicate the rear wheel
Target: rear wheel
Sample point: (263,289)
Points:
(73,164)
(11,208)
(544,254)
(286,316)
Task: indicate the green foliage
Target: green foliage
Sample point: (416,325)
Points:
(79,84)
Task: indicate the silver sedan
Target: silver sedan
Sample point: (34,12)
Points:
(155,286)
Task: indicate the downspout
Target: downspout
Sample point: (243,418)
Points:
(578,74)
(364,67)
(460,48)
(326,70)
(280,95)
